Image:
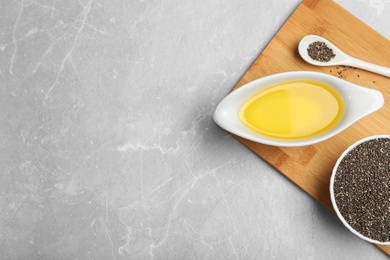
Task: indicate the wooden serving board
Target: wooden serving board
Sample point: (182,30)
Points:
(310,167)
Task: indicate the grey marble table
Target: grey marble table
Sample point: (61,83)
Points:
(108,148)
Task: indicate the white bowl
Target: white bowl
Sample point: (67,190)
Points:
(331,189)
(358,101)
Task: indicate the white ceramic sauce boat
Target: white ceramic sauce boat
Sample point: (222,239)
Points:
(358,101)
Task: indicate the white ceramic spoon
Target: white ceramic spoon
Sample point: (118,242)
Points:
(340,59)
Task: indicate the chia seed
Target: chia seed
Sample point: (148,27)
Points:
(320,52)
(362,188)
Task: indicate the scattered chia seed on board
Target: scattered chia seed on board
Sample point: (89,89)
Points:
(362,188)
(320,52)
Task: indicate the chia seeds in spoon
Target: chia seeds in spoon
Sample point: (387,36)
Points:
(320,52)
(362,189)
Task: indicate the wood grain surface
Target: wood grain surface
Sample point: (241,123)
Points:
(310,167)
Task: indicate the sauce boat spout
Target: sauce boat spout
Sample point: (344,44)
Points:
(362,101)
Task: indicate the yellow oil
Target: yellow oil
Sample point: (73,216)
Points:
(293,110)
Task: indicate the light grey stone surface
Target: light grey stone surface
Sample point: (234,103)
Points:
(108,148)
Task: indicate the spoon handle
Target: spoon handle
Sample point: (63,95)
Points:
(368,66)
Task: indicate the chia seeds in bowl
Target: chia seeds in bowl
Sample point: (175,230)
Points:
(360,189)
